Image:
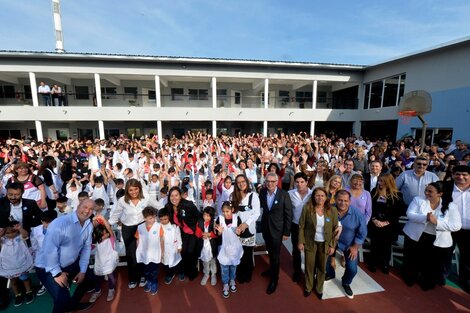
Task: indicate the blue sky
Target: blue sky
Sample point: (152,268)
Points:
(352,32)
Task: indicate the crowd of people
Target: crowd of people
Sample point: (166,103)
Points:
(64,203)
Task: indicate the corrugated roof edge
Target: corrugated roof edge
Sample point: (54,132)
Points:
(16,53)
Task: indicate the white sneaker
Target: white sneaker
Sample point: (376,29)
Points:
(225,292)
(110,296)
(213,280)
(95,296)
(204,280)
(233,286)
(41,291)
(142,282)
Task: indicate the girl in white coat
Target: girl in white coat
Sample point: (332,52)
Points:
(172,245)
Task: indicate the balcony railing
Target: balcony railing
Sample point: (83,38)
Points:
(185,101)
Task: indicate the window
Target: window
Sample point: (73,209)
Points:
(7,91)
(284,96)
(130,92)
(376,95)
(384,93)
(177,94)
(366,96)
(27,92)
(152,95)
(390,92)
(198,94)
(303,96)
(108,92)
(82,93)
(222,94)
(238,97)
(321,96)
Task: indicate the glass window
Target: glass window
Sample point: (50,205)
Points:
(198,94)
(376,95)
(177,94)
(390,92)
(321,96)
(238,97)
(402,86)
(82,93)
(108,92)
(303,96)
(284,95)
(366,96)
(8,91)
(27,92)
(152,95)
(130,91)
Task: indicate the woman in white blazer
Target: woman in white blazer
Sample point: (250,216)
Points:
(428,239)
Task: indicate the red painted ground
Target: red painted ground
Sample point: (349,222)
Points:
(192,297)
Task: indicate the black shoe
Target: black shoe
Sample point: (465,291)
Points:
(271,287)
(18,300)
(266,273)
(307,293)
(29,297)
(348,291)
(409,281)
(296,277)
(319,295)
(386,270)
(327,277)
(372,268)
(83,306)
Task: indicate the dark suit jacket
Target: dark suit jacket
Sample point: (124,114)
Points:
(31,213)
(277,221)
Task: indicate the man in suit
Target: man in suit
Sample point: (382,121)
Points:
(25,211)
(275,225)
(371,178)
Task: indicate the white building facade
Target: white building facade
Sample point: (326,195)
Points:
(109,95)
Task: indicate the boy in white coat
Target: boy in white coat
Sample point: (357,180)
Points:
(172,245)
(149,248)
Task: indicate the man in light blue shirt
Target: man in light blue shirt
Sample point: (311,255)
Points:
(413,182)
(65,256)
(353,234)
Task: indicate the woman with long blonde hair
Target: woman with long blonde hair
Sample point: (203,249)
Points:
(332,186)
(387,207)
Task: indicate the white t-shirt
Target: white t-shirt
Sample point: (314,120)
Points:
(319,230)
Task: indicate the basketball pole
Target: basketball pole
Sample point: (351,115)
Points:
(423,132)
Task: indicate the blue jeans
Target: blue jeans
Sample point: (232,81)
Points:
(63,302)
(228,273)
(151,274)
(350,270)
(46,98)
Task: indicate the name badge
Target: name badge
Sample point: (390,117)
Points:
(327,219)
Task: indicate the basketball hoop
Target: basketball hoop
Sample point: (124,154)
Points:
(405,116)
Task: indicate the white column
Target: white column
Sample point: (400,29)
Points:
(214,128)
(159,132)
(266,94)
(360,93)
(101,130)
(214,92)
(39,130)
(34,90)
(158,97)
(314,94)
(312,128)
(265,128)
(99,102)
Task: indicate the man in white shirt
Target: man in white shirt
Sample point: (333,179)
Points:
(45,91)
(460,188)
(299,197)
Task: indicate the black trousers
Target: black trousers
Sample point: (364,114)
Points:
(462,238)
(296,258)
(381,245)
(134,269)
(190,254)
(423,262)
(245,268)
(273,245)
(4,293)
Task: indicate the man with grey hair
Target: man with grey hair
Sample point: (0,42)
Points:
(276,222)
